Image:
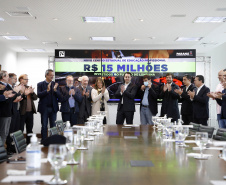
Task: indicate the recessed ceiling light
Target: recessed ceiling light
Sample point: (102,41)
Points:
(1,19)
(210,19)
(98,19)
(15,37)
(19,14)
(102,38)
(135,39)
(141,20)
(188,38)
(55,19)
(69,38)
(35,50)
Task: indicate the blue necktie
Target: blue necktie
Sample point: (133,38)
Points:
(71,100)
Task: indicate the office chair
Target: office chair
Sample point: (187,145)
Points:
(220,135)
(19,141)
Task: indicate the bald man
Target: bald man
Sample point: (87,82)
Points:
(220,88)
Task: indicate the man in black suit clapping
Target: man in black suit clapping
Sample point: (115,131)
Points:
(200,101)
(126,106)
(186,107)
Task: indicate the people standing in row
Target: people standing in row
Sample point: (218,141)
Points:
(100,96)
(70,99)
(48,93)
(27,107)
(126,106)
(200,101)
(148,106)
(186,107)
(169,99)
(85,105)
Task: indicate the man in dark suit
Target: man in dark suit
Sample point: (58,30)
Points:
(6,107)
(126,106)
(148,104)
(70,99)
(27,106)
(200,101)
(85,105)
(6,94)
(48,104)
(169,99)
(186,107)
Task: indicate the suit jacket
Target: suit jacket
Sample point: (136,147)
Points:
(222,103)
(170,102)
(128,97)
(6,107)
(64,91)
(201,104)
(153,94)
(2,98)
(23,103)
(43,95)
(85,104)
(186,107)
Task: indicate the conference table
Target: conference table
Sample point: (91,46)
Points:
(121,155)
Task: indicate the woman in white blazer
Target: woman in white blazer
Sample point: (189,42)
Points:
(100,96)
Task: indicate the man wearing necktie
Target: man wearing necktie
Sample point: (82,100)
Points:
(85,105)
(48,94)
(200,101)
(70,99)
(169,99)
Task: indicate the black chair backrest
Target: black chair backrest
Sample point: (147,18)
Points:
(3,154)
(54,139)
(19,141)
(207,129)
(220,135)
(53,131)
(195,127)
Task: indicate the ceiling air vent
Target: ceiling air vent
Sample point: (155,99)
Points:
(19,14)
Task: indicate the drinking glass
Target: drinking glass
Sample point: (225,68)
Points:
(82,137)
(201,139)
(70,144)
(56,155)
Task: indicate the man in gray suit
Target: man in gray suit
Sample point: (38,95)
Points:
(85,105)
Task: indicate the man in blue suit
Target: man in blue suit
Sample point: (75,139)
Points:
(48,94)
(70,99)
(200,101)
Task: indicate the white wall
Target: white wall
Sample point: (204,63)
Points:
(8,59)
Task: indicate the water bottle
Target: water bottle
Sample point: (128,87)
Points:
(33,153)
(176,135)
(68,132)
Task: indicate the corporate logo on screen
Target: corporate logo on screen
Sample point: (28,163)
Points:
(61,53)
(184,54)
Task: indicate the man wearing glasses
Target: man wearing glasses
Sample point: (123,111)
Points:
(70,99)
(27,106)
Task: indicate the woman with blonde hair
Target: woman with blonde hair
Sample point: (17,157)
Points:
(100,96)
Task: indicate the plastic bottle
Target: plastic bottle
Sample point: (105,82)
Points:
(68,132)
(33,153)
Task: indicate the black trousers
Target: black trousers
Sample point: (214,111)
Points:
(14,126)
(70,116)
(202,121)
(187,118)
(27,119)
(122,115)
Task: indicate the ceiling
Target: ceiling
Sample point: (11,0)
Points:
(157,15)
